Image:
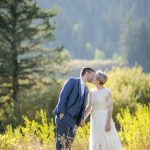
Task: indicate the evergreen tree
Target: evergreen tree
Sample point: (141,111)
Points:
(24,27)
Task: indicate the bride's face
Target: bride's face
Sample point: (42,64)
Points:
(95,81)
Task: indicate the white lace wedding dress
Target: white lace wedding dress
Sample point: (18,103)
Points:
(101,101)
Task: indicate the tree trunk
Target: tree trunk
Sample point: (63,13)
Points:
(14,54)
(14,73)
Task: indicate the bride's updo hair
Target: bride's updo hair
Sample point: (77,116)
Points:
(101,77)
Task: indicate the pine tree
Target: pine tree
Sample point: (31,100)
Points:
(24,28)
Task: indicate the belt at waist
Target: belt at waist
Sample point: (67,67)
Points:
(99,107)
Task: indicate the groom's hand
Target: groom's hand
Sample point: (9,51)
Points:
(82,123)
(61,115)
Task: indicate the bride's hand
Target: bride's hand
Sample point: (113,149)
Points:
(107,127)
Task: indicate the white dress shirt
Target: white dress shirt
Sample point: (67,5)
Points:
(82,86)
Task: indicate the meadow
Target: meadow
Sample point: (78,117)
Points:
(130,89)
(134,134)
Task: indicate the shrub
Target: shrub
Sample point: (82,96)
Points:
(33,135)
(129,86)
(135,132)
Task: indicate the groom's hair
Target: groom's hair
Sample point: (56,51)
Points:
(86,69)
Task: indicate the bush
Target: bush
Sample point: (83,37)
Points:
(30,103)
(129,86)
(135,132)
(33,135)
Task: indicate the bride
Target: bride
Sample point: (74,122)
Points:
(103,134)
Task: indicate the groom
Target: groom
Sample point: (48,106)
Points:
(69,112)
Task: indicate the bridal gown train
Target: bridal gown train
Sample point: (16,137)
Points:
(101,101)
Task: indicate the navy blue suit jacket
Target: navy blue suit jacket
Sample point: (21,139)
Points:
(70,98)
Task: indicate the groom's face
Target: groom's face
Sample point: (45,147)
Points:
(90,76)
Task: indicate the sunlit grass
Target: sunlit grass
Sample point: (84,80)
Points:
(129,86)
(135,134)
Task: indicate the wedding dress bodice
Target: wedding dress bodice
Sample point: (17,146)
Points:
(101,99)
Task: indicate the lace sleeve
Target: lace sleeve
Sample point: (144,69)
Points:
(109,102)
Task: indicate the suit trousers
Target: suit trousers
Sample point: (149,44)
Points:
(65,131)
